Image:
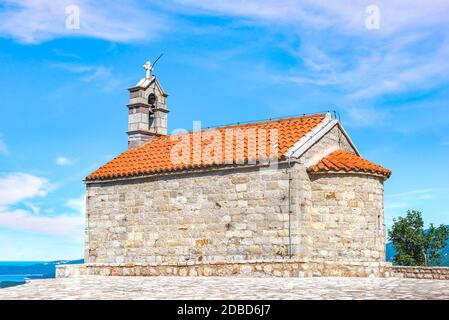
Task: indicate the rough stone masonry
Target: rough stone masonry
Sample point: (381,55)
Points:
(283,220)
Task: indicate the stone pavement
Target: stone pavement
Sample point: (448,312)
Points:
(100,287)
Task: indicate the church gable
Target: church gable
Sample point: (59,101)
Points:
(324,143)
(151,85)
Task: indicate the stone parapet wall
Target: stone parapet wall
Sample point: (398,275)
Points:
(256,268)
(250,268)
(437,273)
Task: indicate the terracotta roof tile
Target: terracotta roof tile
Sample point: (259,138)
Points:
(345,161)
(156,155)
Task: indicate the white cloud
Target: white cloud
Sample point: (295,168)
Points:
(77,204)
(330,40)
(3,147)
(16,187)
(364,116)
(427,200)
(410,51)
(20,189)
(347,16)
(101,75)
(339,53)
(89,72)
(277,11)
(409,199)
(398,68)
(396,205)
(34,209)
(63,161)
(371,71)
(60,225)
(64,54)
(413,193)
(35,21)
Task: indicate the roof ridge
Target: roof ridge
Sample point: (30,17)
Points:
(271,120)
(292,119)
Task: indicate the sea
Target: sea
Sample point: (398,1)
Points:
(18,272)
(19,276)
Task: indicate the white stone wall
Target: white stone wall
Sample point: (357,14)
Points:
(347,221)
(219,216)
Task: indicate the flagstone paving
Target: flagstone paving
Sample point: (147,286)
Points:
(99,287)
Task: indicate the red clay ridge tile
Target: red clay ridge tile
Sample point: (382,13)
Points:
(342,160)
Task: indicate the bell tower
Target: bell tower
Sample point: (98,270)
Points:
(147,110)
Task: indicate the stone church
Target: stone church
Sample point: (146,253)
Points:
(282,197)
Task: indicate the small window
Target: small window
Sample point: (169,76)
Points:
(152,99)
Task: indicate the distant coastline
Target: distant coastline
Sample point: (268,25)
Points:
(14,273)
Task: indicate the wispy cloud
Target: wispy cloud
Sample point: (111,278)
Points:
(63,161)
(395,66)
(61,225)
(400,68)
(20,189)
(413,199)
(3,147)
(396,205)
(77,204)
(414,193)
(334,49)
(101,75)
(346,16)
(365,116)
(35,21)
(395,59)
(16,187)
(428,200)
(64,54)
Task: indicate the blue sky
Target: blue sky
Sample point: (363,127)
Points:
(63,93)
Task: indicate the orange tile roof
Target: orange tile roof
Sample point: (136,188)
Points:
(345,161)
(155,156)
